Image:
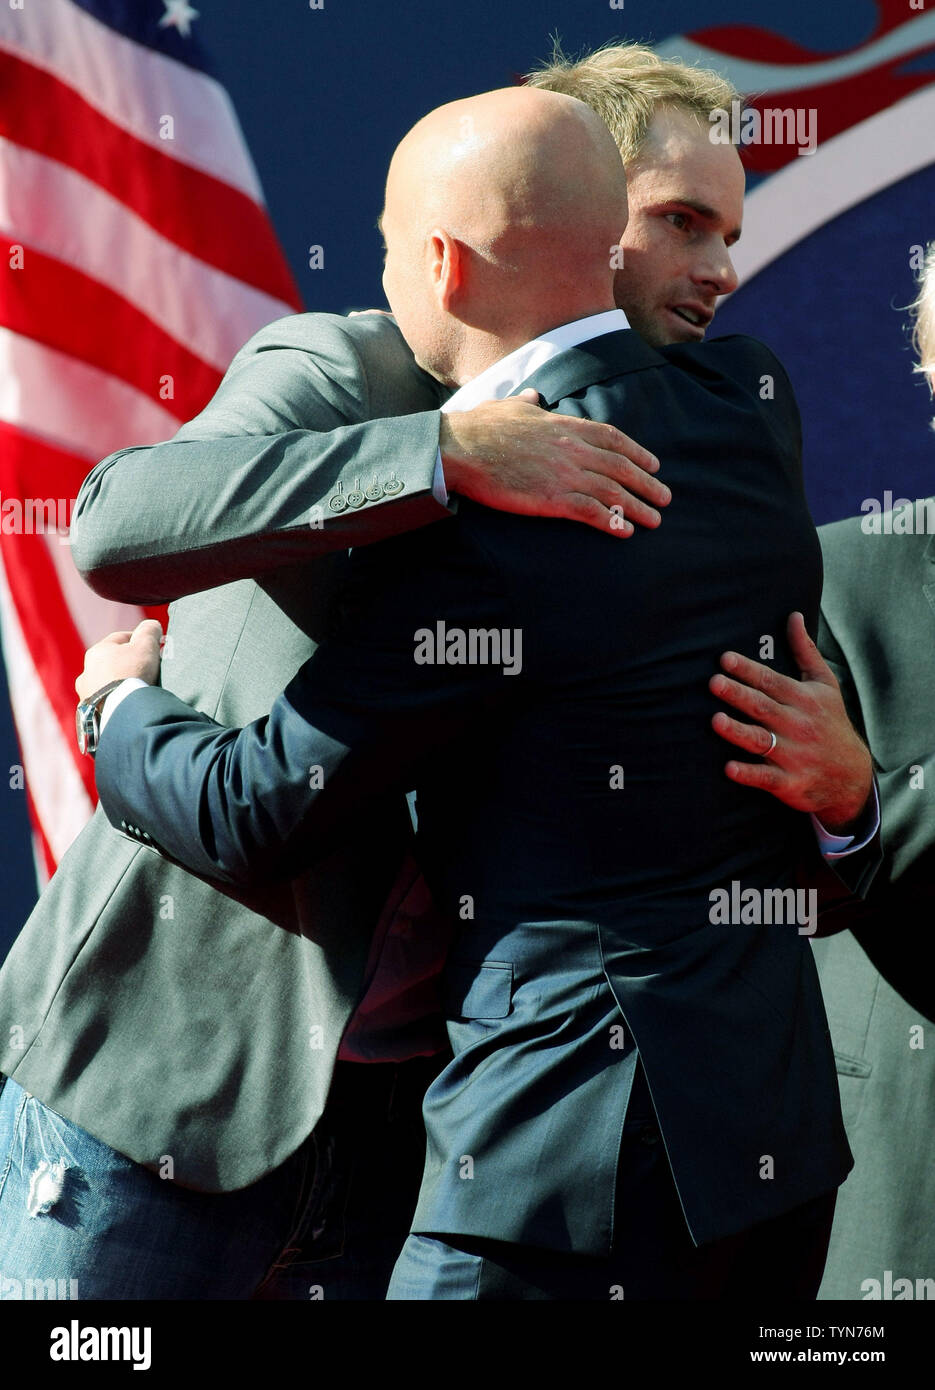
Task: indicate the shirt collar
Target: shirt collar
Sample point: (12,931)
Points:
(503,377)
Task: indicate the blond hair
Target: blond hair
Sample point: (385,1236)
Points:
(923,313)
(625,83)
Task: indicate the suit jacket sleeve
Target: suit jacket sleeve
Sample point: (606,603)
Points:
(302,415)
(857,871)
(893,921)
(240,805)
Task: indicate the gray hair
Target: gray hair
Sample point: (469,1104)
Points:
(923,314)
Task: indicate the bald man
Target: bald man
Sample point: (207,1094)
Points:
(642,1097)
(212,1161)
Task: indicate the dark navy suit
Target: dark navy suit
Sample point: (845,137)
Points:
(583,905)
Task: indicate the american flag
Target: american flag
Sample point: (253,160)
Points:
(139,258)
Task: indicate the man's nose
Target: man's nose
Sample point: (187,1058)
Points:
(717,270)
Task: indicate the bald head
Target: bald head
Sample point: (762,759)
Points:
(501,211)
(515,166)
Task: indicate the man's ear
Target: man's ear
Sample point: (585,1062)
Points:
(447,266)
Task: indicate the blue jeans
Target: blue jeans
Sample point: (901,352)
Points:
(80,1221)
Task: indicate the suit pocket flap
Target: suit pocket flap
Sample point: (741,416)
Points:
(851,1066)
(478,991)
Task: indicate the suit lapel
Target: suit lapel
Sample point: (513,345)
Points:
(611,355)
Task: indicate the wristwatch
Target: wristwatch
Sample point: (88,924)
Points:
(88,718)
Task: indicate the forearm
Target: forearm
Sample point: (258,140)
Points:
(233,805)
(310,405)
(264,802)
(154,523)
(240,805)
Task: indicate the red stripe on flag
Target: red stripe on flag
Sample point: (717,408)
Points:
(67,310)
(892,14)
(840,106)
(762,45)
(55,648)
(30,468)
(758,45)
(200,213)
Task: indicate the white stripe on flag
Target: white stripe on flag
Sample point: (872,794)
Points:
(61,802)
(91,614)
(752,77)
(134,87)
(812,189)
(75,407)
(60,212)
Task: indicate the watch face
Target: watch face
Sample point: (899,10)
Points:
(81,729)
(86,727)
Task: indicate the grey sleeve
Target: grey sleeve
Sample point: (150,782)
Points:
(856,871)
(323,434)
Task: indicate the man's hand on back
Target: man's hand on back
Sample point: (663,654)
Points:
(516,457)
(819,762)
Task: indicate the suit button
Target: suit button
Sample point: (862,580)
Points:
(392,486)
(374,492)
(338,502)
(355,499)
(123,825)
(649,1134)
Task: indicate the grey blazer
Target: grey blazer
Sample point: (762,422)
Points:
(161,1013)
(878,979)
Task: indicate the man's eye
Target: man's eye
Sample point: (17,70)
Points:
(678,219)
